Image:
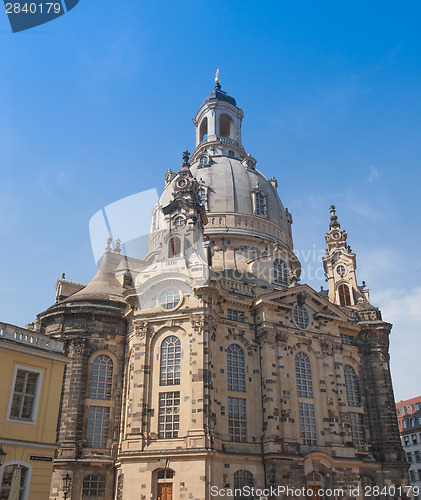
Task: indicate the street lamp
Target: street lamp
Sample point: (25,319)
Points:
(66,485)
(2,455)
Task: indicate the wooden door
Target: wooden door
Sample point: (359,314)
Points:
(165,491)
(315,489)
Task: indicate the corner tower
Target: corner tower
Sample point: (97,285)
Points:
(340,265)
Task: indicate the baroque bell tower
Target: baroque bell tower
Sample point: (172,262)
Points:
(340,265)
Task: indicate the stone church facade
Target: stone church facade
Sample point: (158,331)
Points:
(206,366)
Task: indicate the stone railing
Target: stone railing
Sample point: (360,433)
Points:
(236,287)
(30,338)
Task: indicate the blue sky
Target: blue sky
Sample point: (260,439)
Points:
(97,105)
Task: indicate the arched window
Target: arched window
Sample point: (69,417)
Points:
(303,376)
(242,478)
(17,472)
(351,384)
(259,203)
(344,296)
(201,193)
(280,272)
(225,126)
(235,368)
(174,247)
(93,486)
(101,377)
(203,134)
(170,361)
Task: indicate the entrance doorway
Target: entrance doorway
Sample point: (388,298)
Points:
(165,491)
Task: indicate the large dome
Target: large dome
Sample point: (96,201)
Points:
(238,199)
(229,185)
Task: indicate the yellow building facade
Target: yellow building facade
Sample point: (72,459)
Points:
(31,374)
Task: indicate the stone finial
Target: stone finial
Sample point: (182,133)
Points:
(333,218)
(117,248)
(108,247)
(63,276)
(186,157)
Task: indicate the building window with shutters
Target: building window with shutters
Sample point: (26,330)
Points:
(344,295)
(25,393)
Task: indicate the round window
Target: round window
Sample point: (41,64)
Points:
(341,270)
(300,317)
(204,160)
(179,222)
(170,299)
(181,183)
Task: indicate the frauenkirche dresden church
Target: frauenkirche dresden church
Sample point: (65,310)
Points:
(206,368)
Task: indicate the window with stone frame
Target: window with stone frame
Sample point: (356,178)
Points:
(300,317)
(307,419)
(417,456)
(169,415)
(280,272)
(260,206)
(237,419)
(303,375)
(97,426)
(409,457)
(101,377)
(236,368)
(25,395)
(235,315)
(242,479)
(202,195)
(356,424)
(174,247)
(93,486)
(170,361)
(351,386)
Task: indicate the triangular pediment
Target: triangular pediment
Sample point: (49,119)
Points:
(287,298)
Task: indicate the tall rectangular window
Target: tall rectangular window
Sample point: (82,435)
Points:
(237,419)
(97,426)
(307,417)
(169,415)
(23,401)
(357,429)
